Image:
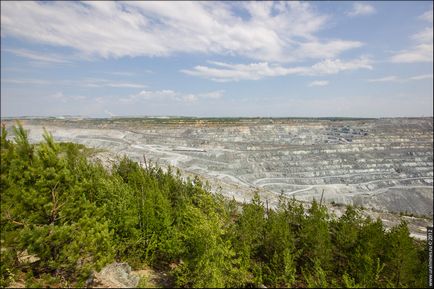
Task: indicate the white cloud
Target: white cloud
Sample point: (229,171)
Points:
(393,78)
(319,83)
(333,66)
(321,50)
(128,73)
(26,81)
(171,95)
(60,96)
(276,32)
(427,16)
(421,77)
(361,9)
(120,73)
(419,53)
(109,113)
(37,56)
(223,72)
(213,94)
(126,85)
(89,82)
(189,98)
(155,94)
(425,36)
(235,72)
(422,51)
(109,83)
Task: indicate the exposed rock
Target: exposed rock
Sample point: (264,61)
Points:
(25,258)
(115,275)
(106,159)
(17,284)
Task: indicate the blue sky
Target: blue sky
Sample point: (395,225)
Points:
(301,59)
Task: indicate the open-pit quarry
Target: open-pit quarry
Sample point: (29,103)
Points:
(383,165)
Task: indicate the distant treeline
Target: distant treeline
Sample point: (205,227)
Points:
(76,216)
(180,119)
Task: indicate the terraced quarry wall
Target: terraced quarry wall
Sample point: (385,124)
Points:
(382,164)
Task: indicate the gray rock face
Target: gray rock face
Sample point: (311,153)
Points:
(116,275)
(382,164)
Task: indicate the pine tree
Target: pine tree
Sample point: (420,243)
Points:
(401,257)
(316,245)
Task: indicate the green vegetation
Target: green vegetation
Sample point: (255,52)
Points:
(76,216)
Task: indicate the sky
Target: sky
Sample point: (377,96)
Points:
(217,59)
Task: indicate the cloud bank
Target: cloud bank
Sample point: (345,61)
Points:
(223,72)
(422,50)
(359,9)
(269,31)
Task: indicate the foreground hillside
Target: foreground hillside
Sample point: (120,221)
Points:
(73,217)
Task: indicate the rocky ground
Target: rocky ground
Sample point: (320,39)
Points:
(383,165)
(114,275)
(120,275)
